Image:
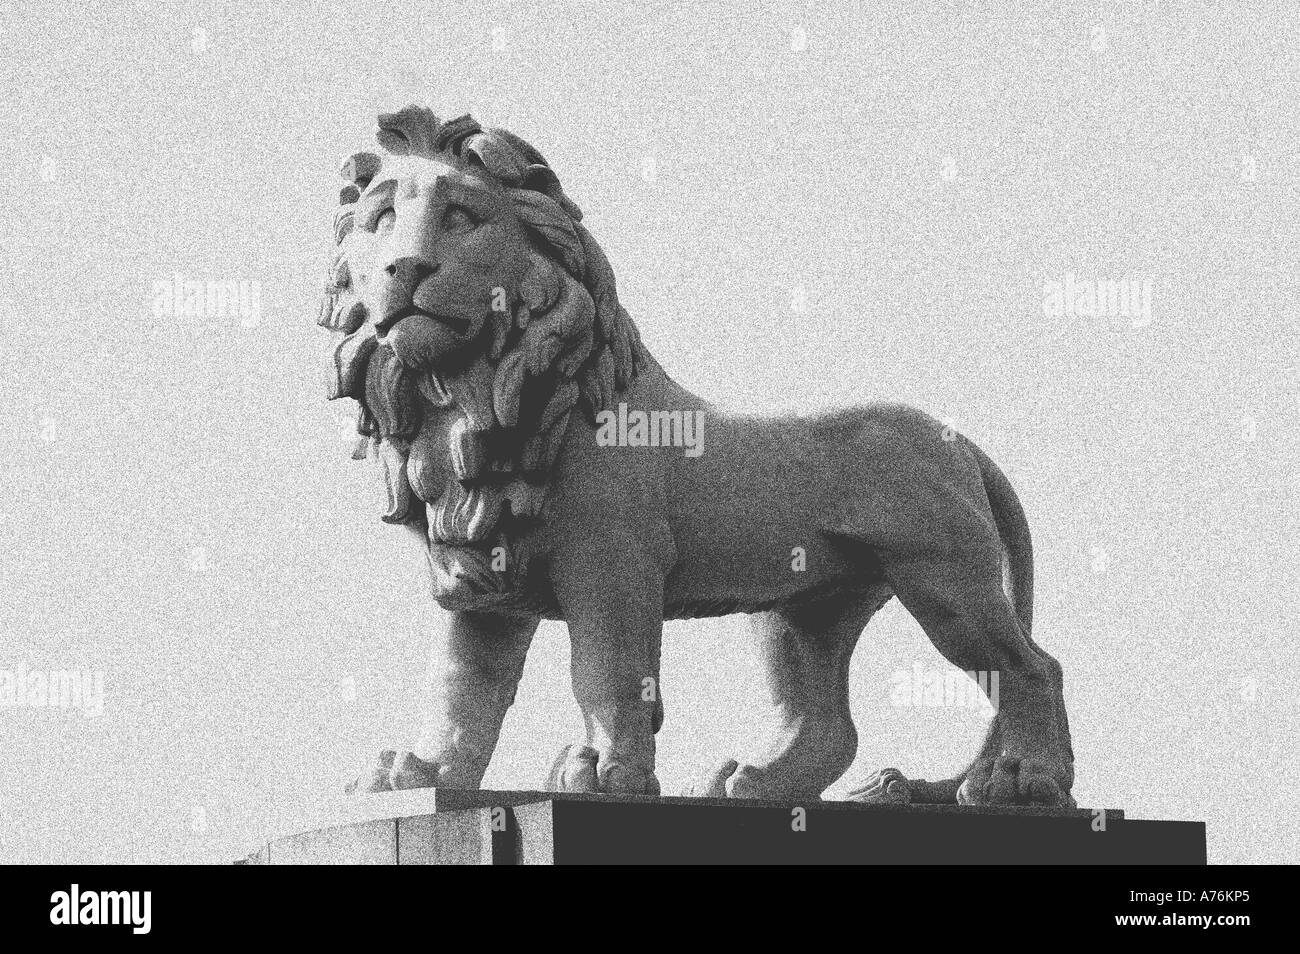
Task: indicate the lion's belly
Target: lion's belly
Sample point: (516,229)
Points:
(743,564)
(750,516)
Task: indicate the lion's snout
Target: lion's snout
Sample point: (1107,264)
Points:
(397,297)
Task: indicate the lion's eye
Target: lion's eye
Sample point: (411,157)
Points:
(457,218)
(387,219)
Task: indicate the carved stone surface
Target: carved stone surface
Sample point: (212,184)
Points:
(548,467)
(556,828)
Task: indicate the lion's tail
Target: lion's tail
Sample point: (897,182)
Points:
(1013,528)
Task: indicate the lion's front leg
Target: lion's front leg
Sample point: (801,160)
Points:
(475,668)
(614,608)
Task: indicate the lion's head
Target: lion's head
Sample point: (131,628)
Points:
(473,312)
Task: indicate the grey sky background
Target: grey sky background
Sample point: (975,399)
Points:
(807,206)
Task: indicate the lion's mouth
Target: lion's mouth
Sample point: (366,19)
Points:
(458,325)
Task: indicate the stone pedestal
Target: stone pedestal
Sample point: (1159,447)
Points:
(432,826)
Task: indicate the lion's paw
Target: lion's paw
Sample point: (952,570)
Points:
(735,779)
(887,787)
(712,784)
(1008,780)
(581,768)
(394,771)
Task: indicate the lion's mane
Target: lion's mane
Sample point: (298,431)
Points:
(477,442)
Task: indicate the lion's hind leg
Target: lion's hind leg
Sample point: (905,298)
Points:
(812,740)
(957,597)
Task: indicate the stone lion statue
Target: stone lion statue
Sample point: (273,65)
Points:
(548,468)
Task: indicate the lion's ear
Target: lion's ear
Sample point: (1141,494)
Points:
(543,179)
(452,134)
(540,178)
(498,157)
(410,131)
(548,218)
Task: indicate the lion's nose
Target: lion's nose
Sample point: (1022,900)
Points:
(410,271)
(405,275)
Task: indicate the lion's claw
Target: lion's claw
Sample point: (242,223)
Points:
(1012,781)
(712,784)
(394,771)
(581,768)
(887,787)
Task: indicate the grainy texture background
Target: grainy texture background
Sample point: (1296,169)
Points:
(807,205)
